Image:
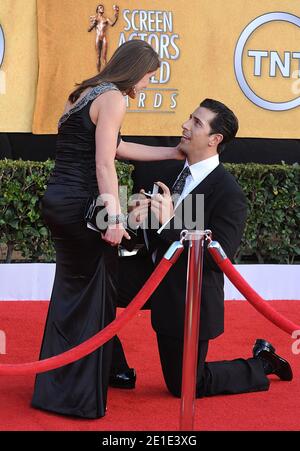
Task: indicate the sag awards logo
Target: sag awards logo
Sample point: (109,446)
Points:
(2,342)
(267,61)
(154,27)
(2,73)
(158,29)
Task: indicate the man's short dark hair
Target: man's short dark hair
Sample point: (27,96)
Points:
(225,122)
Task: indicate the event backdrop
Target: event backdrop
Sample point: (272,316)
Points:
(243,53)
(18,64)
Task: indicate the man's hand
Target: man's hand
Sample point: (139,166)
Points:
(138,210)
(162,204)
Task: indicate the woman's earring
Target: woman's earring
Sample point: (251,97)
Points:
(132,93)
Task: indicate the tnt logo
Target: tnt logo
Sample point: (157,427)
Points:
(2,342)
(2,45)
(2,73)
(276,64)
(267,61)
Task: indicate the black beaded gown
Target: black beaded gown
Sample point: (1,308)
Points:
(83,294)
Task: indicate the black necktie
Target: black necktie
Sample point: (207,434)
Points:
(176,190)
(180,182)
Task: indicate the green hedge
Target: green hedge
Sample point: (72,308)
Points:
(22,184)
(271,235)
(272,232)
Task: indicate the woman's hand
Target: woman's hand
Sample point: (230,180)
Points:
(114,234)
(178,154)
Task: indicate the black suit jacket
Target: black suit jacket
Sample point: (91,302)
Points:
(225,214)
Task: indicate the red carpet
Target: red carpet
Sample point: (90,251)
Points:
(149,406)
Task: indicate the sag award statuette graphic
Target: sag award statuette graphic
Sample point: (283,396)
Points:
(101,23)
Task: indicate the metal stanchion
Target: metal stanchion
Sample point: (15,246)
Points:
(191,328)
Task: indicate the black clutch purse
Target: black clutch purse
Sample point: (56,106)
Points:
(96,218)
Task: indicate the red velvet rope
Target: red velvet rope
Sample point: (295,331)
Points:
(101,337)
(251,295)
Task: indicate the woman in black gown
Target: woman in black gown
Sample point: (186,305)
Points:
(83,295)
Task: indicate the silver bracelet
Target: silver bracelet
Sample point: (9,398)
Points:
(116,219)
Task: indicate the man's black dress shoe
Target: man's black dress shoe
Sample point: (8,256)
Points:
(263,350)
(125,379)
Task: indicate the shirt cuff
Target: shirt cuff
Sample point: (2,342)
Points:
(164,225)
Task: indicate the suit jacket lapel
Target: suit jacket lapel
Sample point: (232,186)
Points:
(207,185)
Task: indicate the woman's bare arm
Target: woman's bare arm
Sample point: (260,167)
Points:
(140,152)
(111,111)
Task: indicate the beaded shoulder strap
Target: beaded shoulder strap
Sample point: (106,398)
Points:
(92,95)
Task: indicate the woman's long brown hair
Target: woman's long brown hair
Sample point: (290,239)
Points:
(130,62)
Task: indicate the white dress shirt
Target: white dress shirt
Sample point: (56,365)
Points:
(199,171)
